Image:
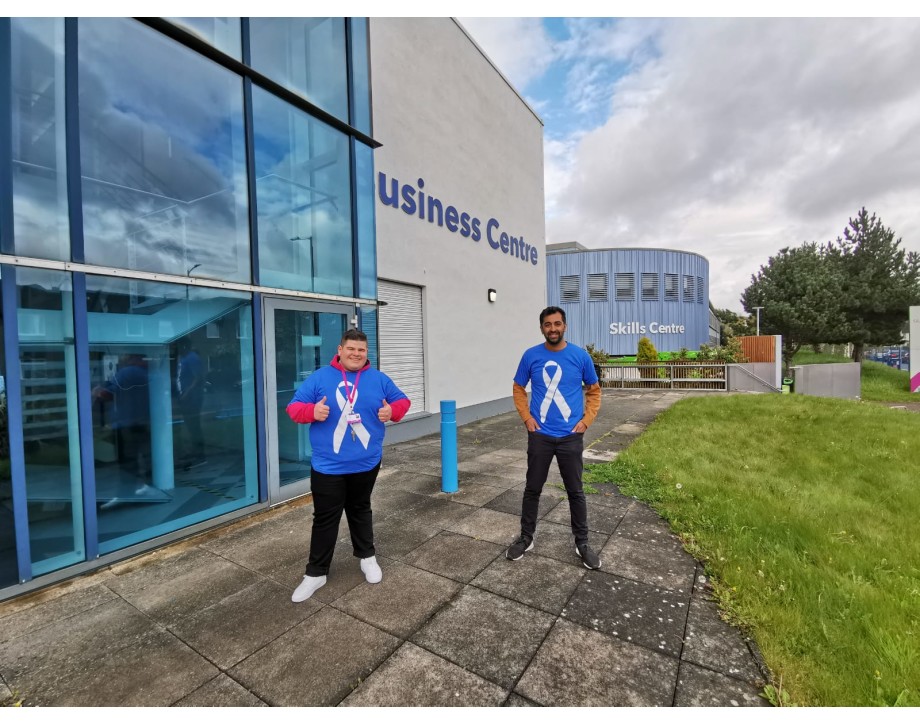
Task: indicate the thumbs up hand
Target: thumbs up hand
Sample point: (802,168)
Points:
(386,412)
(321,410)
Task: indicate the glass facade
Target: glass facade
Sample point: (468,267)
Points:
(141,407)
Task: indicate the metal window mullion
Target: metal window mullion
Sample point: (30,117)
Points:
(14,422)
(353,185)
(85,415)
(72,139)
(258,381)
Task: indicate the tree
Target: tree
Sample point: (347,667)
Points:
(880,282)
(799,292)
(734,325)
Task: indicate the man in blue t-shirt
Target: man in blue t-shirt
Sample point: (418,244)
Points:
(347,404)
(556,419)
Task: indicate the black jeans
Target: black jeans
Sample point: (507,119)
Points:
(568,452)
(332,494)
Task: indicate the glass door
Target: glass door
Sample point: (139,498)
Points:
(300,337)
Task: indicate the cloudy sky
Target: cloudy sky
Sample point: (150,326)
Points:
(728,137)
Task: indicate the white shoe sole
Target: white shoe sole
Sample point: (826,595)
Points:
(522,553)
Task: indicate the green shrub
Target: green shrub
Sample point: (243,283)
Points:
(647,352)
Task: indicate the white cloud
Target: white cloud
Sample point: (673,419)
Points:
(734,138)
(520,47)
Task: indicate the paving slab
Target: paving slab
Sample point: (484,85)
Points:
(24,622)
(415,678)
(489,525)
(500,478)
(643,525)
(716,645)
(511,501)
(235,627)
(436,512)
(317,663)
(515,700)
(222,691)
(659,565)
(472,494)
(602,519)
(490,635)
(154,671)
(421,479)
(699,687)
(533,580)
(577,667)
(454,556)
(400,603)
(638,613)
(398,535)
(556,541)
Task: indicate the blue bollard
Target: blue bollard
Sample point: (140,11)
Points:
(449,446)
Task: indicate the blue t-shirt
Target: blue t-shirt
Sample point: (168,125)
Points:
(557,401)
(335,452)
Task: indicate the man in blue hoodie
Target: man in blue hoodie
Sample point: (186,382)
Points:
(347,404)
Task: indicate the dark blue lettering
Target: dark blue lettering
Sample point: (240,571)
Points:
(464,224)
(516,246)
(421,199)
(432,205)
(533,255)
(503,239)
(450,218)
(493,224)
(408,195)
(477,234)
(382,190)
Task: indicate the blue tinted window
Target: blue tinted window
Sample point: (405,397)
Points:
(9,567)
(41,227)
(306,55)
(163,155)
(174,406)
(303,187)
(367,323)
(222,33)
(365,232)
(360,76)
(49,419)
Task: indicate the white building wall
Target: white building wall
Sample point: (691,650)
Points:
(444,114)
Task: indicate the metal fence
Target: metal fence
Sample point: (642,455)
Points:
(653,376)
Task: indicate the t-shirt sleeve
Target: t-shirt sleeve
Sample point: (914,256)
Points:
(392,391)
(522,376)
(307,392)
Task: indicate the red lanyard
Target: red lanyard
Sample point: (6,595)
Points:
(350,397)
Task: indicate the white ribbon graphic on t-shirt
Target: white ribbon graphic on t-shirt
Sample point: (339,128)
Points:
(342,425)
(552,393)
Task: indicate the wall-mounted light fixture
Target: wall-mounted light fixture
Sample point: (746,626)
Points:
(493,295)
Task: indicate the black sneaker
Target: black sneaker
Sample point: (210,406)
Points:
(517,549)
(588,557)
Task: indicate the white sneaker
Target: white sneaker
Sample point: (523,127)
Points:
(371,570)
(307,588)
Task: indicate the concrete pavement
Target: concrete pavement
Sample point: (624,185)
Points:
(209,621)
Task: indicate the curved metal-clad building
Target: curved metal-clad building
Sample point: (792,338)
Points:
(613,297)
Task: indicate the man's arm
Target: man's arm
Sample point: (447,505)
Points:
(592,403)
(523,408)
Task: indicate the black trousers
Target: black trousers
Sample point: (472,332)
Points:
(332,494)
(568,453)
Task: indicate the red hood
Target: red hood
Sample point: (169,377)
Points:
(338,366)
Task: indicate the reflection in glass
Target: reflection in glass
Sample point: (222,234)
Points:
(40,223)
(304,200)
(222,33)
(163,155)
(304,342)
(49,419)
(367,323)
(306,55)
(361,76)
(173,406)
(365,231)
(9,568)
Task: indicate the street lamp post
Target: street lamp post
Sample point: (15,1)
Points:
(758,319)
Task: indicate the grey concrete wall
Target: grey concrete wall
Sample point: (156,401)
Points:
(738,379)
(836,380)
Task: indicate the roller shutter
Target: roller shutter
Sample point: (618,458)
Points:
(402,342)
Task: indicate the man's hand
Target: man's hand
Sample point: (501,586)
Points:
(321,410)
(531,425)
(386,412)
(580,427)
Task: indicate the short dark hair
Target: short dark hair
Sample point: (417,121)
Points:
(552,311)
(353,334)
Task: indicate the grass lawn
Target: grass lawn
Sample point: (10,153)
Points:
(804,511)
(880,383)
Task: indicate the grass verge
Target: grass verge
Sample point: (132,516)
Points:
(879,382)
(804,512)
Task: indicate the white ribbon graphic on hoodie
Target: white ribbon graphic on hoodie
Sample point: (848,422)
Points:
(342,426)
(552,393)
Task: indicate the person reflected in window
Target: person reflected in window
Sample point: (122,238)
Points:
(129,390)
(190,384)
